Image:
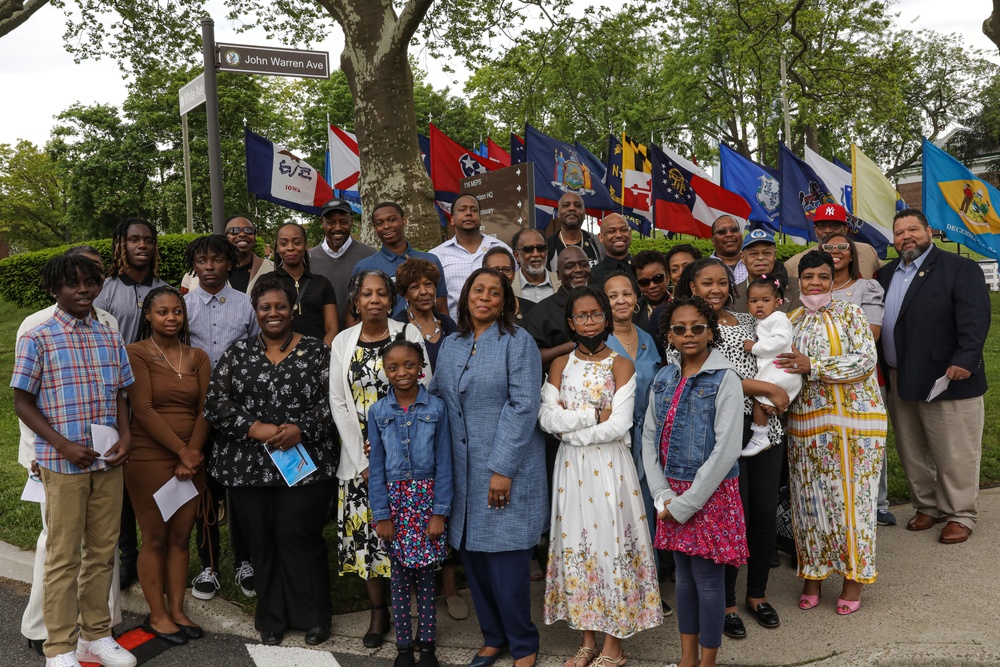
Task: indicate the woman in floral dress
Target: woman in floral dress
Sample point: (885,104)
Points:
(836,430)
(601,574)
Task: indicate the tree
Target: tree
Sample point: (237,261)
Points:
(15,12)
(32,202)
(991,26)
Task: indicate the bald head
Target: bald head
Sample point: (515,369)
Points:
(727,239)
(573,267)
(570,211)
(615,236)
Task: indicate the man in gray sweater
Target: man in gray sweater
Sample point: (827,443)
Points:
(336,256)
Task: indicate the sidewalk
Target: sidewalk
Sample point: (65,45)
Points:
(934,604)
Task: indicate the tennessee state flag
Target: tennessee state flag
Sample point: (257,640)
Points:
(450,163)
(277,175)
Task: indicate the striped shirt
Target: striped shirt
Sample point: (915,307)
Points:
(458,264)
(216,321)
(75,369)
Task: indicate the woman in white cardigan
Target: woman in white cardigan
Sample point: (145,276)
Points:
(356,383)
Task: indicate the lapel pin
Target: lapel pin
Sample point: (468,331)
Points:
(222,299)
(921,274)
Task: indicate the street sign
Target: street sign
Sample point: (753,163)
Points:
(272,60)
(192,93)
(506,199)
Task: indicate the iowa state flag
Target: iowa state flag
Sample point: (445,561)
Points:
(960,204)
(450,163)
(687,203)
(277,175)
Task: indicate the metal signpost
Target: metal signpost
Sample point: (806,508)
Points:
(191,95)
(506,199)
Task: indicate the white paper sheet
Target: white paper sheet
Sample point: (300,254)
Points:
(172,495)
(939,385)
(104,438)
(34,490)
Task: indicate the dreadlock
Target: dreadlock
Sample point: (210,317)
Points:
(213,244)
(119,260)
(66,269)
(146,328)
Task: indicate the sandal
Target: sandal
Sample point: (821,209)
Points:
(585,653)
(604,661)
(845,607)
(809,601)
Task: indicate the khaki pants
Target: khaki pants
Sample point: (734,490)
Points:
(940,445)
(83,515)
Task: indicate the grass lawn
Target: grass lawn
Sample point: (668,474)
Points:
(20,522)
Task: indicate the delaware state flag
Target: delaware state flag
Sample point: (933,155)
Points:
(277,175)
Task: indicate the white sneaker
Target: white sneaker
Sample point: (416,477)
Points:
(755,447)
(63,660)
(104,651)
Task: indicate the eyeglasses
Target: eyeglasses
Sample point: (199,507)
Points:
(530,249)
(236,231)
(659,278)
(581,318)
(830,247)
(726,231)
(680,329)
(506,270)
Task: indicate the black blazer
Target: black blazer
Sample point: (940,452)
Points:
(942,322)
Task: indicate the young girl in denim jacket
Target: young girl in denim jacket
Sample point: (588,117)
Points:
(410,492)
(691,443)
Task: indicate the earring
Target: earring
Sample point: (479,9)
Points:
(636,309)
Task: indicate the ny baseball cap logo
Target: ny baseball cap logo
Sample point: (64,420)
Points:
(830,210)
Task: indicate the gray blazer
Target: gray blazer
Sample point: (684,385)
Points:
(492,399)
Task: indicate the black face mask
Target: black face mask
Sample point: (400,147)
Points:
(592,343)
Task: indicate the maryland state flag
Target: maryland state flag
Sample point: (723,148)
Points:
(634,204)
(276,174)
(960,204)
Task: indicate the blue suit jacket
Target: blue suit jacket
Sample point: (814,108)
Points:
(492,400)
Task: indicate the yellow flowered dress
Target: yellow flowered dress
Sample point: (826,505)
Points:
(836,441)
(601,574)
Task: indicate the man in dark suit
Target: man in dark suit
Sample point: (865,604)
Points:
(937,315)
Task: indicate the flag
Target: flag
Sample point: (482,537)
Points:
(450,163)
(352,197)
(497,154)
(516,149)
(641,221)
(561,168)
(685,202)
(684,163)
(275,174)
(345,160)
(959,204)
(636,189)
(425,155)
(840,184)
(757,184)
(482,151)
(875,198)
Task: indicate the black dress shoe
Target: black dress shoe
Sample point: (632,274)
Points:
(316,636)
(765,614)
(733,627)
(173,638)
(191,631)
(487,660)
(374,638)
(271,638)
(37,645)
(428,655)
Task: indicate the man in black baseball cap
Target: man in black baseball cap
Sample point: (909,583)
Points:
(336,256)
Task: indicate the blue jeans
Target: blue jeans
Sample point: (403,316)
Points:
(701,598)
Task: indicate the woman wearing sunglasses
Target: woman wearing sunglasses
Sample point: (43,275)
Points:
(760,475)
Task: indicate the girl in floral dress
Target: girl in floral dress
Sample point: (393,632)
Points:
(410,492)
(691,445)
(601,575)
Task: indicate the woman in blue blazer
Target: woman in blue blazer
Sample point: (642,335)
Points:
(489,375)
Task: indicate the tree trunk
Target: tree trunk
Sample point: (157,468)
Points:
(991,26)
(378,72)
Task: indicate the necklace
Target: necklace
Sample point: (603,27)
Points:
(596,352)
(628,344)
(437,325)
(843,285)
(369,339)
(576,245)
(180,358)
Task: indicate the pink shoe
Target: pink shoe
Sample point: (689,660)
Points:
(845,607)
(808,601)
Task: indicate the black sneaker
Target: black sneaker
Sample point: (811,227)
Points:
(886,518)
(244,578)
(667,610)
(206,584)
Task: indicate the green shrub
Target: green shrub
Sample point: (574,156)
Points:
(20,280)
(639,243)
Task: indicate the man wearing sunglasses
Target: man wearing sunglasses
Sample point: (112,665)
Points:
(726,239)
(242,233)
(533,282)
(828,220)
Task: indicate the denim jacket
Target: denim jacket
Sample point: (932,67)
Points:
(409,444)
(707,433)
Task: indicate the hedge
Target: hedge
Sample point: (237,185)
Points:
(20,281)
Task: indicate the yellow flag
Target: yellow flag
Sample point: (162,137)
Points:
(874,196)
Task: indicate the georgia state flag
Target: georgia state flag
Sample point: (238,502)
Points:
(277,175)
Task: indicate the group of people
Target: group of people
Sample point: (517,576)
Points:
(457,406)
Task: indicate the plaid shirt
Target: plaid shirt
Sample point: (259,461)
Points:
(75,369)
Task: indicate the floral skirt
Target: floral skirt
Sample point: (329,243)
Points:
(360,551)
(411,504)
(716,532)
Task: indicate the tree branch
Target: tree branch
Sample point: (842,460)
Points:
(15,12)
(409,20)
(991,26)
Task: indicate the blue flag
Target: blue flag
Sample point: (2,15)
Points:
(516,149)
(959,204)
(757,184)
(561,168)
(425,155)
(592,161)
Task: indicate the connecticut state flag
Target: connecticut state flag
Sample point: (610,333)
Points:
(959,204)
(274,173)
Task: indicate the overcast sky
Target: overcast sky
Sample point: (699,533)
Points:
(40,79)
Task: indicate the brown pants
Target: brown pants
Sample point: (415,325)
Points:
(83,515)
(940,445)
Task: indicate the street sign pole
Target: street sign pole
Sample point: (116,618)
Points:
(212,113)
(188,200)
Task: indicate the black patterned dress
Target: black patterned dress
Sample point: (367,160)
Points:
(361,551)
